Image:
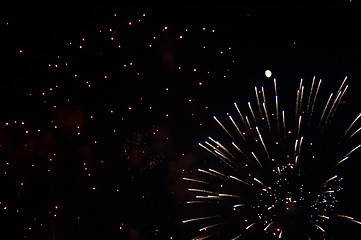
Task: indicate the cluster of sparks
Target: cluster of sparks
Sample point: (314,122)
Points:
(266,178)
(71,107)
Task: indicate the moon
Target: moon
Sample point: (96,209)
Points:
(268,73)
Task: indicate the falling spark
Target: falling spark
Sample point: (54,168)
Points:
(353,122)
(249,226)
(268,225)
(255,157)
(200,218)
(222,127)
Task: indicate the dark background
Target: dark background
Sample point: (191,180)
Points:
(293,40)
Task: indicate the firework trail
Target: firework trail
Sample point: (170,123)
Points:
(275,179)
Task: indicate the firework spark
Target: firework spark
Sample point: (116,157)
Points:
(270,178)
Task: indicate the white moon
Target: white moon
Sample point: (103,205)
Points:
(268,73)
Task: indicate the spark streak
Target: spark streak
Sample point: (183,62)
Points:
(239,131)
(348,154)
(200,218)
(258,102)
(210,226)
(353,122)
(215,118)
(268,225)
(319,227)
(239,180)
(249,226)
(255,157)
(328,180)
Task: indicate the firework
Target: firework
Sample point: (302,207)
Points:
(279,170)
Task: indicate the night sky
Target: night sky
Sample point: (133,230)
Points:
(103,105)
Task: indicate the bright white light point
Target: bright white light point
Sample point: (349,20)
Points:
(268,73)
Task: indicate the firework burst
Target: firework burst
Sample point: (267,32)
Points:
(279,175)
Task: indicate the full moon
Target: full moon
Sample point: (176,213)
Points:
(268,73)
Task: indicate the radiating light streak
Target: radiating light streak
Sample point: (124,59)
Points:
(348,154)
(206,172)
(275,85)
(248,227)
(323,216)
(280,235)
(328,180)
(222,155)
(295,147)
(239,149)
(338,102)
(314,100)
(195,180)
(203,237)
(228,195)
(200,144)
(309,97)
(284,124)
(267,118)
(200,218)
(268,225)
(348,218)
(299,146)
(297,103)
(210,145)
(355,221)
(344,216)
(255,157)
(319,227)
(219,144)
(342,160)
(252,113)
(332,107)
(236,237)
(209,197)
(200,190)
(195,202)
(240,114)
(277,115)
(258,102)
(324,109)
(215,153)
(263,95)
(239,205)
(218,173)
(239,180)
(239,131)
(276,102)
(263,144)
(210,226)
(301,98)
(248,124)
(343,82)
(260,182)
(299,126)
(353,122)
(353,134)
(215,118)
